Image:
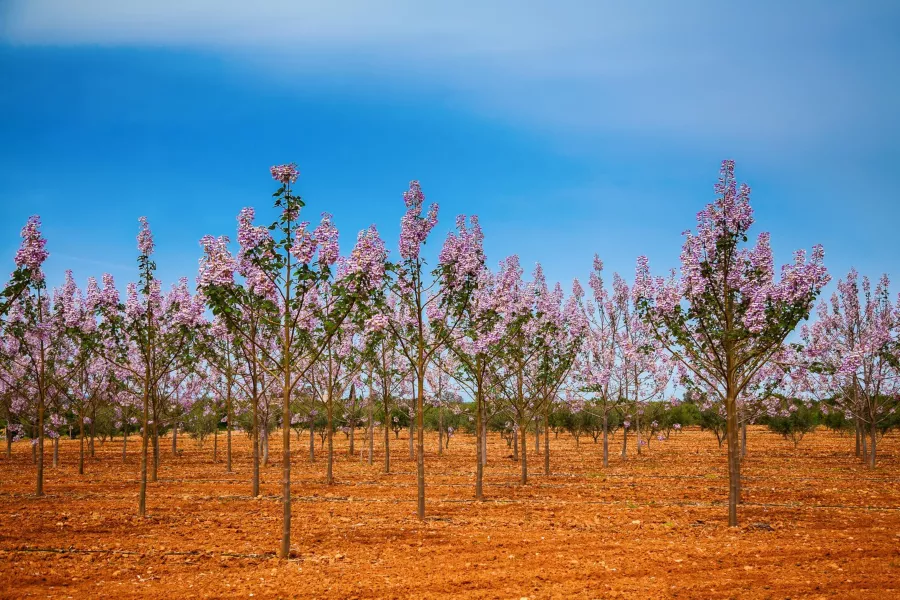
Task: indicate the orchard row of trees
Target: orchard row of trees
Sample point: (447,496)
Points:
(282,332)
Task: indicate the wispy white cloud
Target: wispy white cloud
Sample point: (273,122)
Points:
(776,77)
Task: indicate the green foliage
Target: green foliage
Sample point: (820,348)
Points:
(799,420)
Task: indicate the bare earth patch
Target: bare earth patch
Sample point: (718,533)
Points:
(815,524)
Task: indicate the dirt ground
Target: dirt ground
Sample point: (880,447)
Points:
(815,524)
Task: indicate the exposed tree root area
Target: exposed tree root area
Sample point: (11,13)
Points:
(816,523)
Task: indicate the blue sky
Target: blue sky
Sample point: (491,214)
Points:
(570,128)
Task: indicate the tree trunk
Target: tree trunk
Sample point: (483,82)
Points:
(874,431)
(216,444)
(524,454)
(387,432)
(515,445)
(856,427)
(352,449)
(93,429)
(537,437)
(420,440)
(479,449)
(154,470)
(412,428)
(227,430)
(605,439)
(734,460)
(175,439)
(55,452)
(546,442)
(81,445)
(624,443)
(864,457)
(371,436)
(329,434)
(743,441)
(484,436)
(440,431)
(8,442)
(145,440)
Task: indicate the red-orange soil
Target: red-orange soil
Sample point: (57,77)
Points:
(815,524)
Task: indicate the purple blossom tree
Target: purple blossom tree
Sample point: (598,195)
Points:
(726,315)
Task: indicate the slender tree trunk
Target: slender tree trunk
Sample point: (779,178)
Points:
(8,442)
(387,431)
(228,430)
(81,445)
(55,452)
(479,448)
(216,443)
(546,442)
(524,453)
(734,459)
(864,456)
(412,444)
(420,433)
(154,470)
(371,436)
(743,441)
(856,427)
(605,439)
(93,429)
(537,436)
(484,435)
(440,431)
(254,480)
(265,444)
(624,443)
(873,431)
(515,445)
(145,441)
(175,439)
(329,433)
(312,440)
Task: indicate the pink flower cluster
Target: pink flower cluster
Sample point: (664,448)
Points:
(286,174)
(414,228)
(32,252)
(145,238)
(217,266)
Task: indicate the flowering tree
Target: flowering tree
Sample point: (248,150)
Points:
(33,325)
(560,337)
(287,275)
(147,338)
(852,355)
(727,315)
(421,301)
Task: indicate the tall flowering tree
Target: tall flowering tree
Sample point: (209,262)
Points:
(727,315)
(148,338)
(32,324)
(421,301)
(286,273)
(852,355)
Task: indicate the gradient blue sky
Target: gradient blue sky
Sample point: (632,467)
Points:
(570,128)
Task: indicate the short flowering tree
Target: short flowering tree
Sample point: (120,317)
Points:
(727,315)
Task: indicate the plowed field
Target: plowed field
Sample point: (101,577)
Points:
(815,523)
